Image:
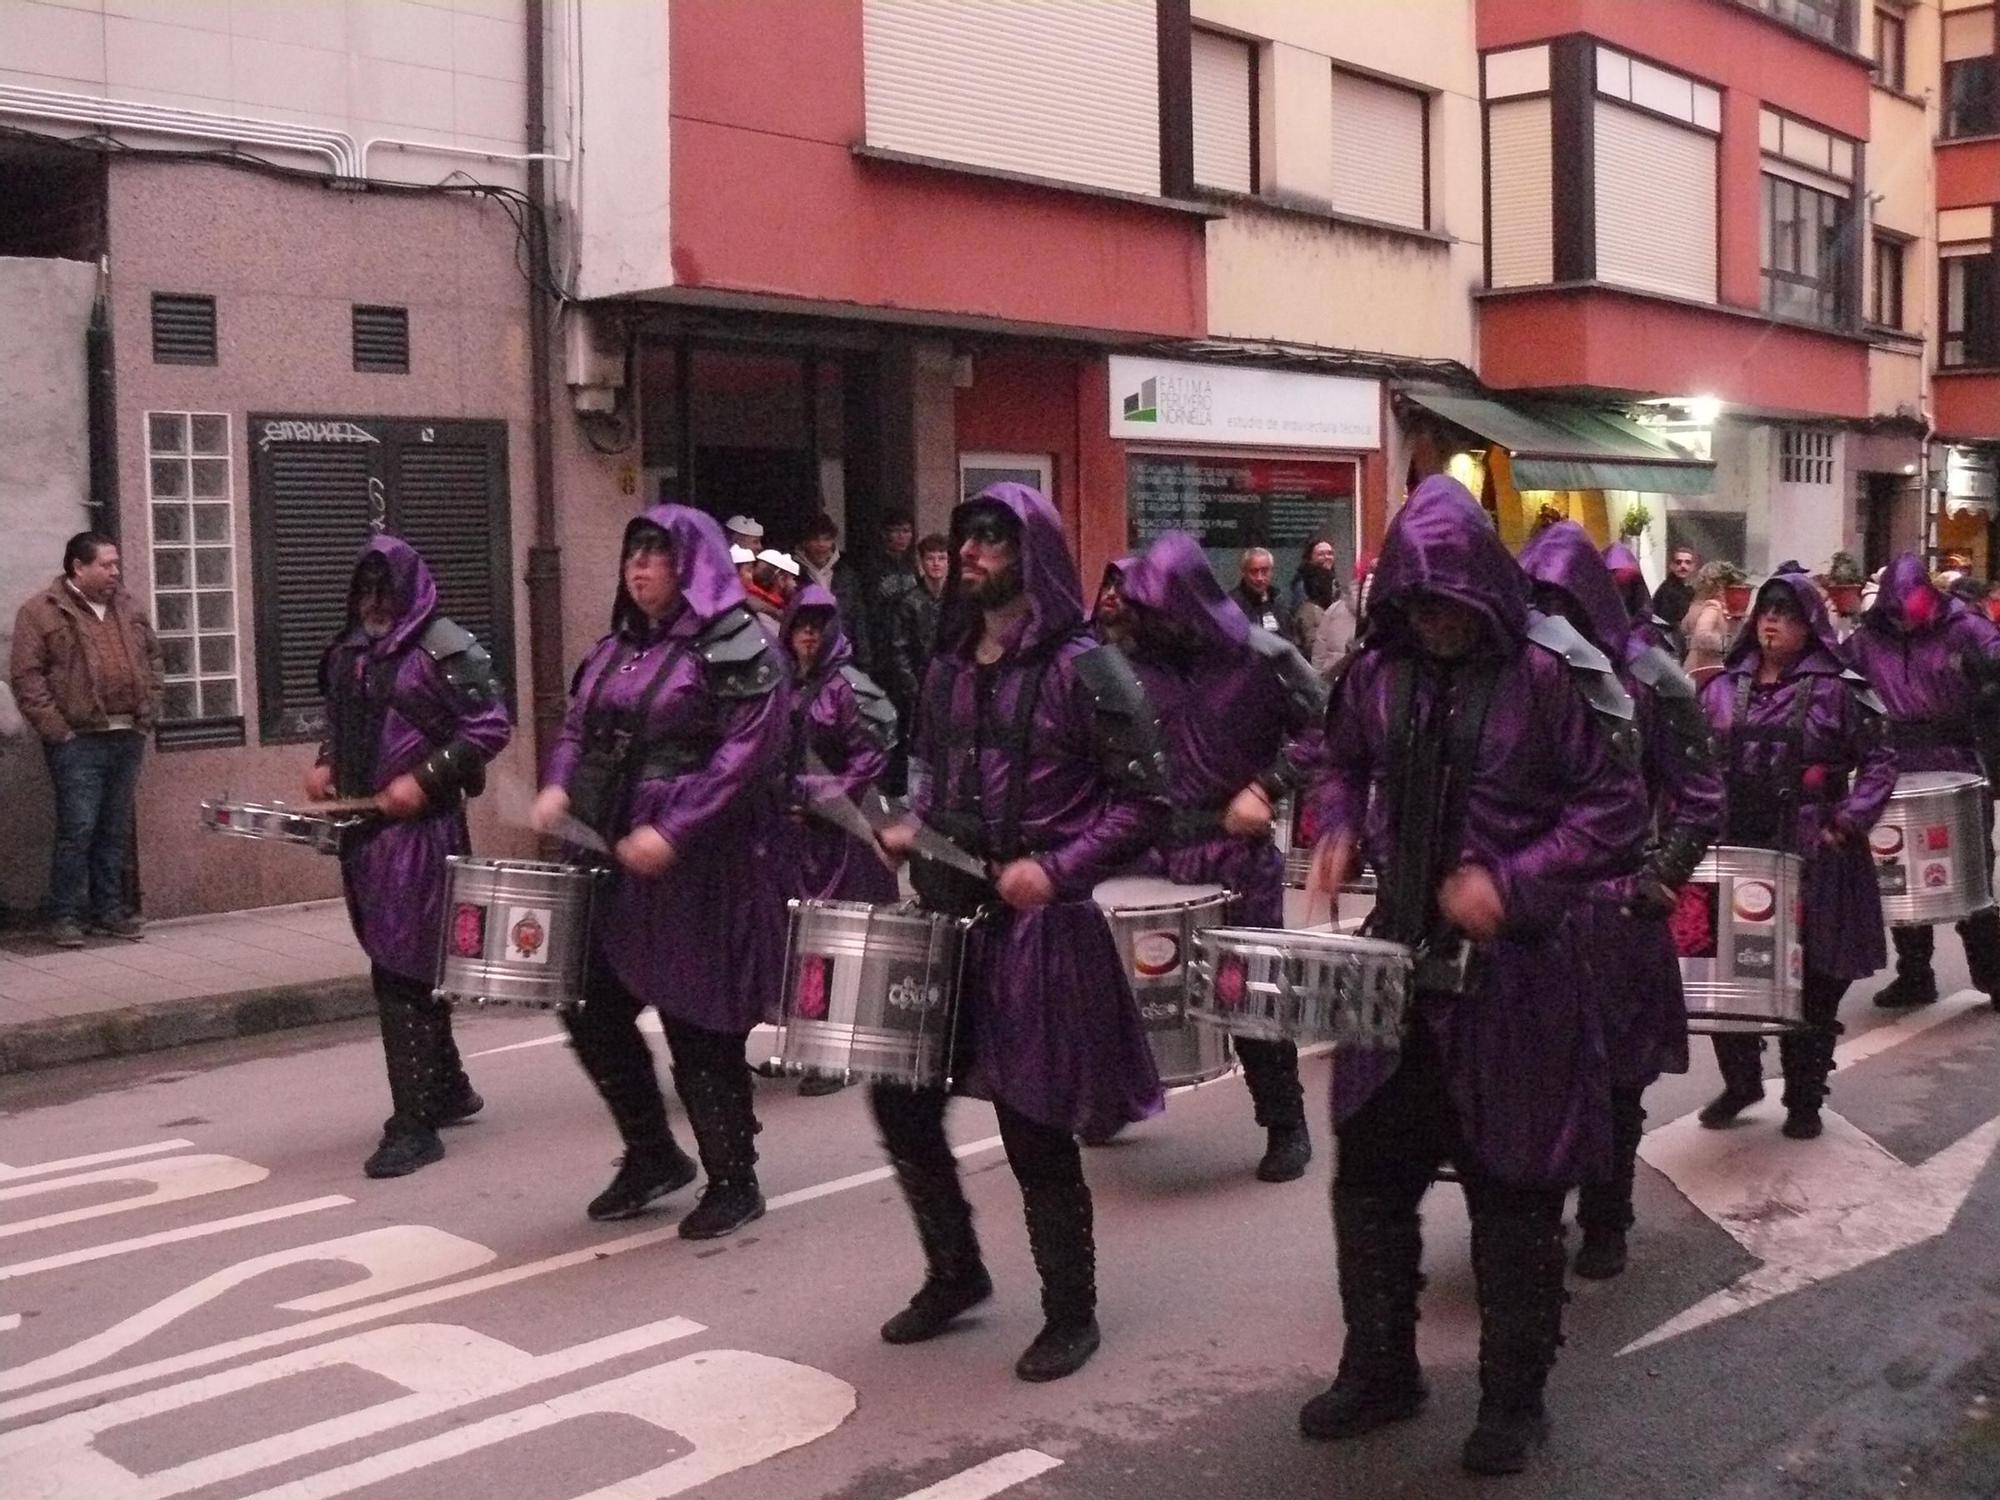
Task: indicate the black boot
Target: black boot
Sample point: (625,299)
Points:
(955,1278)
(1271,1070)
(1741,1059)
(1808,1059)
(405,1146)
(1059,1234)
(1517,1264)
(725,1134)
(617,1061)
(1915,982)
(1378,1246)
(1980,933)
(413,1025)
(1604,1209)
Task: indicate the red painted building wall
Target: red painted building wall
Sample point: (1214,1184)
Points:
(1968,173)
(766,102)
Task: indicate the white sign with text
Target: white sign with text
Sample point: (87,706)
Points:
(1175,401)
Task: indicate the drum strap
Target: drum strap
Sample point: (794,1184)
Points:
(1430,784)
(965,789)
(1763,801)
(616,742)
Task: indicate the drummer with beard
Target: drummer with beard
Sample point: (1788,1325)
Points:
(1635,968)
(1241,710)
(1933,661)
(413,716)
(1809,770)
(842,729)
(676,725)
(1491,784)
(1037,750)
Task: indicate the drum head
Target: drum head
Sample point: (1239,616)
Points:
(1122,892)
(1915,783)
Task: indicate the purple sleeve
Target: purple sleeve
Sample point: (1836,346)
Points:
(753,739)
(568,749)
(1598,833)
(1691,787)
(1127,819)
(1343,762)
(923,768)
(865,759)
(486,728)
(1874,765)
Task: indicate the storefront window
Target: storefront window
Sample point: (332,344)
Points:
(1232,503)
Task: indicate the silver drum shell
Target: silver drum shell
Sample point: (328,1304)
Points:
(1156,945)
(1282,985)
(871,992)
(516,932)
(1933,860)
(1738,932)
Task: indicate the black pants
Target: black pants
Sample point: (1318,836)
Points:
(1806,1054)
(1608,1204)
(605,1030)
(426,1075)
(1271,1069)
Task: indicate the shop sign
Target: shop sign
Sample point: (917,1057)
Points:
(1179,402)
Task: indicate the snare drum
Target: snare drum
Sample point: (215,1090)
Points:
(1933,860)
(1283,985)
(871,992)
(1153,922)
(516,932)
(1738,929)
(279,823)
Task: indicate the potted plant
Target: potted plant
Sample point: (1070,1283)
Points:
(1736,592)
(1843,583)
(1637,519)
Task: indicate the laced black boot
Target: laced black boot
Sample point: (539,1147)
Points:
(1741,1059)
(1271,1069)
(1517,1264)
(1377,1246)
(1915,982)
(410,1026)
(725,1134)
(1980,933)
(654,1164)
(458,1100)
(1059,1234)
(955,1278)
(1808,1059)
(1604,1209)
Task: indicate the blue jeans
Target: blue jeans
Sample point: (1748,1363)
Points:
(96,778)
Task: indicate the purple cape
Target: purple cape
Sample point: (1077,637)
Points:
(1914,645)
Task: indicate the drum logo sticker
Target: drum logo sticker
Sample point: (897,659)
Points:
(911,993)
(1886,839)
(1937,838)
(468,930)
(528,934)
(1156,954)
(1232,982)
(1755,905)
(809,999)
(1692,922)
(1936,874)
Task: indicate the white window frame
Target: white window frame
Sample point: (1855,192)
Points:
(171,463)
(1043,465)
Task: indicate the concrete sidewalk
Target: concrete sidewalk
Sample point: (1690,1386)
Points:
(191,979)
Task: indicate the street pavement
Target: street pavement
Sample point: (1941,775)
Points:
(201,1295)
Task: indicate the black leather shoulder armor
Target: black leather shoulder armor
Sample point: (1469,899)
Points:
(466,666)
(1305,694)
(1660,672)
(1864,693)
(738,658)
(878,714)
(1589,667)
(1124,725)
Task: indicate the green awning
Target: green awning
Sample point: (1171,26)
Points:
(1556,446)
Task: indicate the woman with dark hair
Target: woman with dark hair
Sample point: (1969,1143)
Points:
(1315,588)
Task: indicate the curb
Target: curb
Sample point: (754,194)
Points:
(34,1045)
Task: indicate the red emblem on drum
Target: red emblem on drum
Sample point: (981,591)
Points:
(468,930)
(809,998)
(1692,922)
(528,936)
(1937,838)
(1937,876)
(1232,982)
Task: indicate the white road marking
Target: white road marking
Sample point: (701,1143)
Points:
(989,1478)
(873,1174)
(9,1321)
(174,1178)
(72,1163)
(1913,1023)
(173,1236)
(649,1022)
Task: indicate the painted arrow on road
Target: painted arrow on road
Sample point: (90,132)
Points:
(1813,1211)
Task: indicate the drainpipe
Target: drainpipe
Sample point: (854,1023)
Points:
(545,634)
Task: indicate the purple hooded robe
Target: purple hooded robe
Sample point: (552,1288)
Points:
(1228,718)
(1058,1035)
(1647,628)
(1549,812)
(1841,777)
(705,942)
(394,874)
(1634,966)
(1918,648)
(815,860)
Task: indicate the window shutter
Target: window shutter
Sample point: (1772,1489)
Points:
(1521,207)
(1064,91)
(183,329)
(1378,151)
(1968,34)
(1656,226)
(311,504)
(1223,70)
(382,340)
(449,502)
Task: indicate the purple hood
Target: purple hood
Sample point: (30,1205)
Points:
(1048,572)
(411,586)
(1173,578)
(1823,658)
(1630,579)
(1441,542)
(1564,558)
(1907,600)
(834,646)
(701,556)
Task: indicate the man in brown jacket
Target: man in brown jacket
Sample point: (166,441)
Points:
(86,669)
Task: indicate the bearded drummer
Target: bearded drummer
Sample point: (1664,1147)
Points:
(1809,770)
(1932,661)
(842,730)
(1491,784)
(1635,968)
(413,716)
(1241,711)
(676,725)
(1038,751)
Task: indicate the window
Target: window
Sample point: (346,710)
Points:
(1825,19)
(1969,309)
(191,501)
(1891,51)
(1885,289)
(1803,254)
(1805,456)
(1381,151)
(382,340)
(1656,204)
(1971,75)
(1519,192)
(1225,108)
(183,329)
(318,486)
(978,470)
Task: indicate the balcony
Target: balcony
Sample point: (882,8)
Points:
(1829,21)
